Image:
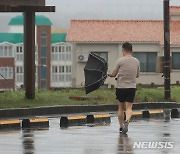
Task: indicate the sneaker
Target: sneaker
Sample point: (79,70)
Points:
(125,128)
(120,130)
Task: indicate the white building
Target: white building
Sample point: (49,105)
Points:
(53,56)
(105,37)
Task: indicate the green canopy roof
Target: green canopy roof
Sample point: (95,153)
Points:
(14,38)
(39,20)
(58,37)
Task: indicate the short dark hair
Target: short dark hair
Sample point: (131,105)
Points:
(127,46)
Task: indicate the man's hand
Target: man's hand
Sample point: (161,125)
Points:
(113,74)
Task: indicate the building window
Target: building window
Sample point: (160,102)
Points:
(61,69)
(69,48)
(176,60)
(19,69)
(61,73)
(19,74)
(43,41)
(147,61)
(68,69)
(19,53)
(68,77)
(102,54)
(43,52)
(19,57)
(61,78)
(61,53)
(62,48)
(6,73)
(43,73)
(10,52)
(59,48)
(52,49)
(44,33)
(6,51)
(19,78)
(43,38)
(43,59)
(19,49)
(54,69)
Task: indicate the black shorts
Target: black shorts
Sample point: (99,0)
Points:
(125,94)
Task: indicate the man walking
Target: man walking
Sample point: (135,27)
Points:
(126,70)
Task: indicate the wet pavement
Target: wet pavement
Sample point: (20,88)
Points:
(94,139)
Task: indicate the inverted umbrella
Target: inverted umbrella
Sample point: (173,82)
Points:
(95,72)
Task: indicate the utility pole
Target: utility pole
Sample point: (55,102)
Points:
(29,8)
(167,90)
(29,54)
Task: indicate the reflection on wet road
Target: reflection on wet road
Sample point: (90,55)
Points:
(93,139)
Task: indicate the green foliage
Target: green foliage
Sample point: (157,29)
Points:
(16,99)
(150,95)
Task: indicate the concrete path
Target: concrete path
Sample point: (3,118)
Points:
(95,139)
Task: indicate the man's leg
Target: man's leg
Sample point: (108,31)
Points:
(128,116)
(128,111)
(129,102)
(121,114)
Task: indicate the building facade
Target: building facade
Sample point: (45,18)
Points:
(105,37)
(51,52)
(61,65)
(7,76)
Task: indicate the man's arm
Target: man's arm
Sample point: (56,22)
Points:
(113,74)
(116,69)
(138,72)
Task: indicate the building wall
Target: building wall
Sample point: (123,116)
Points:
(61,65)
(114,52)
(16,29)
(149,77)
(19,62)
(175,74)
(7,83)
(48,54)
(19,29)
(78,67)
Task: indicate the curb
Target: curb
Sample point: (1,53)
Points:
(66,121)
(81,120)
(30,123)
(8,124)
(77,109)
(24,123)
(146,114)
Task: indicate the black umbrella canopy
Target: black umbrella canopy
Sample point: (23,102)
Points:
(95,72)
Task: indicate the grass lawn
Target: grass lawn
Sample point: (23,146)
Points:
(16,99)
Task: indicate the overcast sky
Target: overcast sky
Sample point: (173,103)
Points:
(98,9)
